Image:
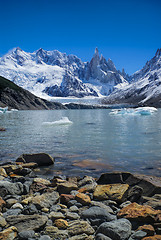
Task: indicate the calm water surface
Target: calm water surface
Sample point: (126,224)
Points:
(96,141)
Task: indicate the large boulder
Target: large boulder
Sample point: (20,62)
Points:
(139,213)
(27,222)
(97,215)
(42,159)
(116,192)
(8,188)
(118,229)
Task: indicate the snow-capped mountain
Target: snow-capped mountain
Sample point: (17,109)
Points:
(57,74)
(144,87)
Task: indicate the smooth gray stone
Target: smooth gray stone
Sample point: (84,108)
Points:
(118,229)
(97,215)
(24,235)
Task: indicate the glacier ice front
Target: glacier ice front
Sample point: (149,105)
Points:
(62,121)
(134,111)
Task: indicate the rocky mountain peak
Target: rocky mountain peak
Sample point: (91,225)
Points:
(158,52)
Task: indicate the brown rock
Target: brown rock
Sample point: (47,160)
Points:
(42,159)
(42,181)
(2,203)
(78,227)
(156,237)
(3,172)
(116,192)
(83,199)
(149,229)
(65,198)
(134,211)
(2,129)
(28,165)
(66,187)
(61,223)
(8,234)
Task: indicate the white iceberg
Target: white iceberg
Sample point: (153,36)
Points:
(62,121)
(3,110)
(134,111)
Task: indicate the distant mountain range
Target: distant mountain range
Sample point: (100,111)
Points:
(56,74)
(52,73)
(144,87)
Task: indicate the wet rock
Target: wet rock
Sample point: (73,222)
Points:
(79,227)
(61,223)
(28,165)
(66,187)
(139,213)
(8,188)
(24,235)
(8,234)
(83,199)
(116,192)
(149,229)
(42,159)
(118,229)
(29,222)
(111,178)
(97,215)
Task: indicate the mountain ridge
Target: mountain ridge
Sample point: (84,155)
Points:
(57,74)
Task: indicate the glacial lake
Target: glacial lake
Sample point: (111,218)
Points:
(95,141)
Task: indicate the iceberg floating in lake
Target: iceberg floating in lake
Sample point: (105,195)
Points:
(134,111)
(62,121)
(3,110)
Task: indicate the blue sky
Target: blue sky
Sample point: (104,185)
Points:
(127,31)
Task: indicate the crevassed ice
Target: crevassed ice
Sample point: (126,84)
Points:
(134,111)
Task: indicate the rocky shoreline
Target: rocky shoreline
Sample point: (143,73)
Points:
(116,206)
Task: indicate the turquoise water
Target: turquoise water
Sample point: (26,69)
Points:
(95,142)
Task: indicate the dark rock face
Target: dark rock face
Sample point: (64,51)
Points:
(16,97)
(42,159)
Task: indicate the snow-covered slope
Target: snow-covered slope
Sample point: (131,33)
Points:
(144,88)
(54,73)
